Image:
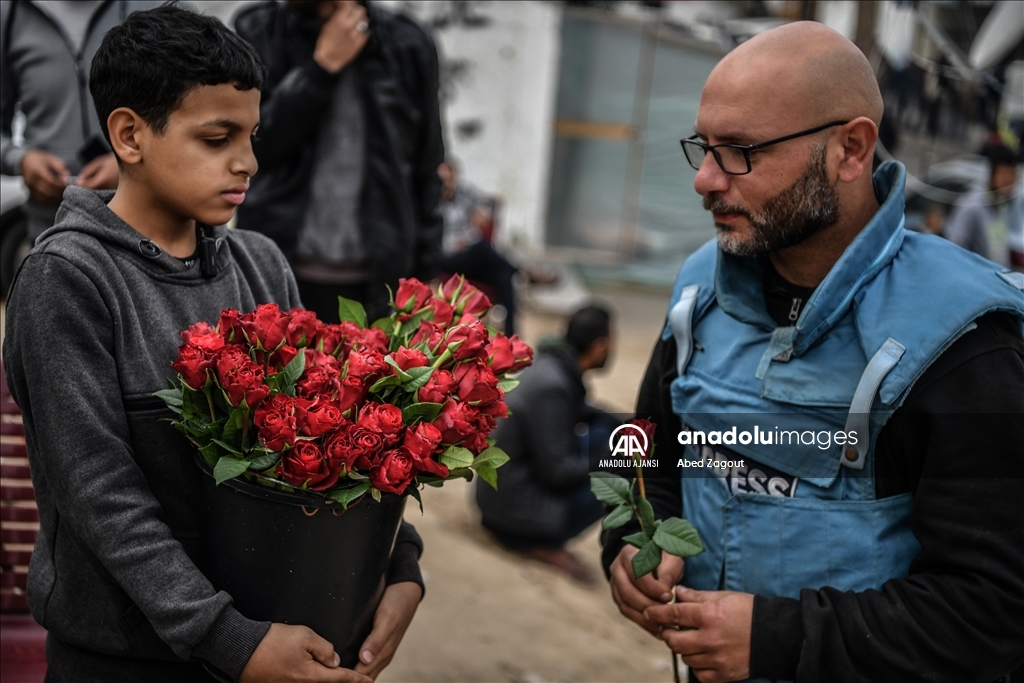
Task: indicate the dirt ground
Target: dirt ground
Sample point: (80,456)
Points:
(490,615)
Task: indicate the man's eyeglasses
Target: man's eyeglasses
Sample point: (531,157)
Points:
(735,159)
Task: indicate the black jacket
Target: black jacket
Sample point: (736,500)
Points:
(398,76)
(545,462)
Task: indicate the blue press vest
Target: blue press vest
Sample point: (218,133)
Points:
(889,307)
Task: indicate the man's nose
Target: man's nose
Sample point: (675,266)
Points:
(710,177)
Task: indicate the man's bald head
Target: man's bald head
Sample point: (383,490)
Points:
(805,71)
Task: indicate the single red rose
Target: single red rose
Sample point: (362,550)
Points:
(438,388)
(648,428)
(265,327)
(410,358)
(443,311)
(499,354)
(340,450)
(456,421)
(429,335)
(373,338)
(244,384)
(476,383)
(305,464)
(318,418)
(383,418)
(317,381)
(366,365)
(331,339)
(275,423)
(192,365)
(521,352)
(229,327)
(476,442)
(496,408)
(471,337)
(368,445)
(394,473)
(302,327)
(464,297)
(202,329)
(422,442)
(411,295)
(353,390)
(229,358)
(282,357)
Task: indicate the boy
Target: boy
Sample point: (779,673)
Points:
(92,326)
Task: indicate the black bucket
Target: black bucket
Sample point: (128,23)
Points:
(295,558)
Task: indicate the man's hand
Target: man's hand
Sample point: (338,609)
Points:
(295,654)
(716,644)
(634,595)
(393,616)
(340,38)
(46,176)
(100,174)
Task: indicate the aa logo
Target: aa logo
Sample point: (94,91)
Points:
(628,441)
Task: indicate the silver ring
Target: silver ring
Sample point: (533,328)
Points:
(362,27)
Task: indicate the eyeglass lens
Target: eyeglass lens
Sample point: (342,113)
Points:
(730,159)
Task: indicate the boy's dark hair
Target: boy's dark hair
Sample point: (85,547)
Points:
(1001,155)
(154,58)
(586,326)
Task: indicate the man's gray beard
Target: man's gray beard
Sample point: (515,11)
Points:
(805,208)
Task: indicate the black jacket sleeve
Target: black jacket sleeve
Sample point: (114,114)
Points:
(957,444)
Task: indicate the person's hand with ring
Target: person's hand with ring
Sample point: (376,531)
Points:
(342,37)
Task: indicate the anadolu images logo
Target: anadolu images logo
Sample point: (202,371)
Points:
(631,442)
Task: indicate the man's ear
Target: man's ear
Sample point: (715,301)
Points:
(125,128)
(858,140)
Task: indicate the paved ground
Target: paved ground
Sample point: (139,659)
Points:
(490,615)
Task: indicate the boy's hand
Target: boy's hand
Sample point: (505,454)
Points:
(45,174)
(100,174)
(633,595)
(393,616)
(295,654)
(342,36)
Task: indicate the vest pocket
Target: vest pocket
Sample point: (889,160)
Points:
(778,546)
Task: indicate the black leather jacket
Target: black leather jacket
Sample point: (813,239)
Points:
(398,76)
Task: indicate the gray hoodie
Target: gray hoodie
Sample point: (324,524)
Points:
(93,321)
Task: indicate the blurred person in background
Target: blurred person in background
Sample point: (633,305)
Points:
(348,147)
(543,497)
(990,220)
(45,58)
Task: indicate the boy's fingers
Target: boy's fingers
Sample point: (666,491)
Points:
(322,650)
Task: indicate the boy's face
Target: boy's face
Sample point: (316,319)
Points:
(198,168)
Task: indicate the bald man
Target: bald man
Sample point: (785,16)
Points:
(864,387)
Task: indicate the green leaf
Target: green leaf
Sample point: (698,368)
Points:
(291,373)
(211,453)
(426,412)
(678,537)
(228,447)
(420,376)
(646,514)
(647,560)
(229,468)
(455,457)
(402,374)
(375,494)
(264,461)
(346,496)
(352,311)
(639,539)
(172,397)
(487,463)
(508,384)
(415,493)
(384,383)
(234,425)
(618,517)
(386,324)
(609,488)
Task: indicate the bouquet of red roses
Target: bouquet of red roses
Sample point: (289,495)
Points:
(285,400)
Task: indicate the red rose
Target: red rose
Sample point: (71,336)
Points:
(229,327)
(428,335)
(302,327)
(464,297)
(318,417)
(438,388)
(239,377)
(521,352)
(305,464)
(373,338)
(282,357)
(367,445)
(443,312)
(499,354)
(212,342)
(410,358)
(422,442)
(456,421)
(411,295)
(353,390)
(275,423)
(394,473)
(340,450)
(265,327)
(476,442)
(192,366)
(335,339)
(383,418)
(476,383)
(496,408)
(366,364)
(471,338)
(648,428)
(320,376)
